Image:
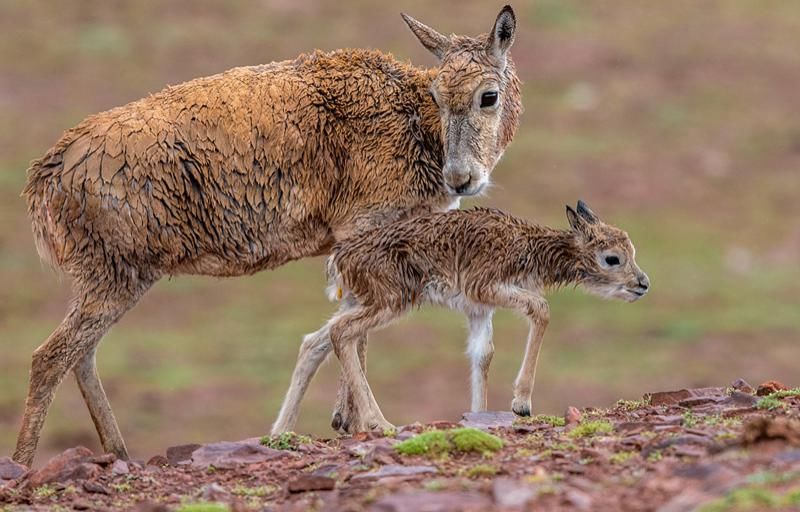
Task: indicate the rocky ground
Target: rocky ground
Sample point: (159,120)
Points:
(712,449)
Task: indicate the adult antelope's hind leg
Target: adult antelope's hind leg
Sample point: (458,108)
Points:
(315,349)
(91,315)
(347,328)
(343,410)
(99,407)
(480,349)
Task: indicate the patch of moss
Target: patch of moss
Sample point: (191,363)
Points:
(285,441)
(655,456)
(690,420)
(590,428)
(204,506)
(480,470)
(769,403)
(123,487)
(433,485)
(260,491)
(44,491)
(621,457)
(553,421)
(632,405)
(785,393)
(443,442)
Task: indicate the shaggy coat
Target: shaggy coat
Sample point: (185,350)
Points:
(245,171)
(471,261)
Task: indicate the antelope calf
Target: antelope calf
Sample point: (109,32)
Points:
(472,261)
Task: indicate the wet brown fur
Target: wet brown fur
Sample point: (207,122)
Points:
(473,261)
(225,176)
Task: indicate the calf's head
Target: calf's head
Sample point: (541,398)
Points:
(477,93)
(607,257)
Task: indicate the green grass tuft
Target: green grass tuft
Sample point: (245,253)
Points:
(784,394)
(204,507)
(590,428)
(285,441)
(553,421)
(480,471)
(442,442)
(621,457)
(769,403)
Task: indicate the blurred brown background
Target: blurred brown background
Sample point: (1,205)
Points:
(679,121)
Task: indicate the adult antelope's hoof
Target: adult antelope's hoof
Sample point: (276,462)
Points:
(521,408)
(337,421)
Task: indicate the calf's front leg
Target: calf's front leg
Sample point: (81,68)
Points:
(536,309)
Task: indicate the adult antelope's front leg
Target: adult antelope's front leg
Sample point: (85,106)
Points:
(480,349)
(346,330)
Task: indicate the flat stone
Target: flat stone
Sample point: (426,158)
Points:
(229,454)
(509,492)
(120,467)
(70,465)
(181,453)
(445,501)
(10,470)
(674,397)
(305,483)
(485,420)
(395,470)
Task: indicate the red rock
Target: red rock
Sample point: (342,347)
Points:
(771,386)
(743,386)
(572,416)
(95,488)
(158,461)
(766,428)
(305,483)
(10,470)
(181,453)
(70,465)
(445,501)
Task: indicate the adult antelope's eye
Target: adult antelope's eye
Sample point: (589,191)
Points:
(612,261)
(488,99)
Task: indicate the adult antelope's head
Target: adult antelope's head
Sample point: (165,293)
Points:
(477,93)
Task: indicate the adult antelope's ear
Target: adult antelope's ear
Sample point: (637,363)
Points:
(586,213)
(435,42)
(502,35)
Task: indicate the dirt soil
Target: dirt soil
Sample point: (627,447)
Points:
(725,448)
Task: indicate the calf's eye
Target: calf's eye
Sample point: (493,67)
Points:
(488,99)
(612,261)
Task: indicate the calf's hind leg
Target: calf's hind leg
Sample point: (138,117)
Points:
(92,313)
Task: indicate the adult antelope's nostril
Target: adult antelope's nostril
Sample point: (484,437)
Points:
(463,187)
(644,282)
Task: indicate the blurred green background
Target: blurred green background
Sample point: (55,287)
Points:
(679,121)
